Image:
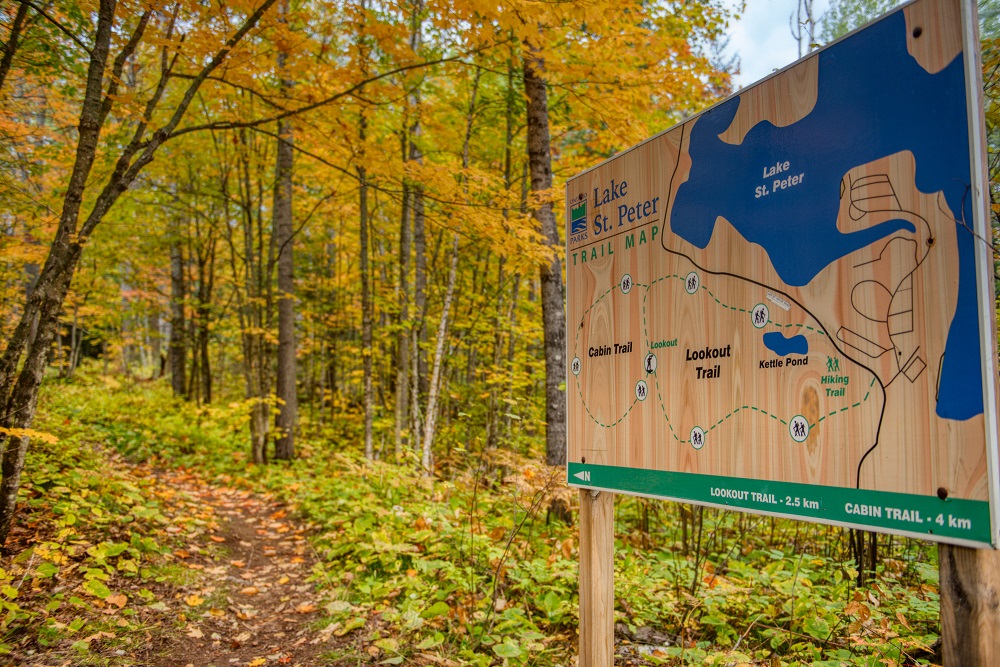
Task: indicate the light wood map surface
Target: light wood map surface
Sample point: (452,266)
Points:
(847,392)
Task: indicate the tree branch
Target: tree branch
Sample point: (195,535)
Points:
(119,64)
(59,25)
(11,46)
(126,170)
(232,125)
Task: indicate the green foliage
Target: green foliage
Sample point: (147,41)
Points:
(846,15)
(87,536)
(472,569)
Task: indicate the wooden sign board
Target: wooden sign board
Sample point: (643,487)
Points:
(785,304)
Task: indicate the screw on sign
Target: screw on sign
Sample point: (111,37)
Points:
(575,367)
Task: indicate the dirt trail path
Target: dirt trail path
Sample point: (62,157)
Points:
(241,594)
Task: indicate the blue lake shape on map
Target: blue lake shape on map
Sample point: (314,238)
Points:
(873,100)
(781,346)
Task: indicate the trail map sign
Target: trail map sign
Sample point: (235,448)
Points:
(785,304)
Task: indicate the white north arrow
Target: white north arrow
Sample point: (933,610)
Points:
(583,475)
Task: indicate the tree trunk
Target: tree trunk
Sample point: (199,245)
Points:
(502,320)
(155,344)
(251,280)
(75,343)
(553,314)
(366,314)
(12,41)
(19,408)
(283,231)
(177,347)
(402,337)
(418,331)
(284,446)
(434,387)
(204,362)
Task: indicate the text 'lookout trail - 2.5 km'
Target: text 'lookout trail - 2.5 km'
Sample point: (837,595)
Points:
(785,304)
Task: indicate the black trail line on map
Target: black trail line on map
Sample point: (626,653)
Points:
(901,366)
(832,339)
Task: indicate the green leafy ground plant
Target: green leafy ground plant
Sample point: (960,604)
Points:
(471,568)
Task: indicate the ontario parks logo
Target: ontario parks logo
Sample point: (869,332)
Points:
(578,219)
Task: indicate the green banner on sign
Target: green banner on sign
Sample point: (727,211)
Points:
(949,519)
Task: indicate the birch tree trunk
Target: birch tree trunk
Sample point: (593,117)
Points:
(434,388)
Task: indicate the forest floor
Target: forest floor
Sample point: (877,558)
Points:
(145,537)
(231,585)
(250,600)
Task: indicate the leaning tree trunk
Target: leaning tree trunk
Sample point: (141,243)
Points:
(553,315)
(19,398)
(19,390)
(19,412)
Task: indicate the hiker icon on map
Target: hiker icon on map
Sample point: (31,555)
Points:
(641,390)
(759,316)
(691,283)
(697,437)
(832,364)
(799,428)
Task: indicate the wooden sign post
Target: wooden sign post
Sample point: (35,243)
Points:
(970,606)
(597,587)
